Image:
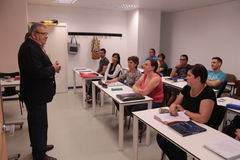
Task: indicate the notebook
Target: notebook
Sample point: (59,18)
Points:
(175,79)
(130,96)
(226,147)
(187,128)
(166,118)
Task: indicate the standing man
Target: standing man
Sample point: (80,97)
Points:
(37,87)
(103,63)
(216,77)
(180,71)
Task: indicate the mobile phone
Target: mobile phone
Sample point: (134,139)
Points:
(116,89)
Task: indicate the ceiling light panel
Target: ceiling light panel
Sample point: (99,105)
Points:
(64,1)
(127,6)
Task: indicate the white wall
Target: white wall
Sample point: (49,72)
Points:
(202,34)
(87,20)
(13,15)
(148,33)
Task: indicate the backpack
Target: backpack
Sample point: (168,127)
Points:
(231,128)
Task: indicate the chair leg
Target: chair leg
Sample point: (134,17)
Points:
(163,154)
(21,106)
(129,121)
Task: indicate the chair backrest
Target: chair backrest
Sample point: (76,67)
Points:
(230,78)
(222,89)
(237,85)
(168,72)
(221,111)
(13,74)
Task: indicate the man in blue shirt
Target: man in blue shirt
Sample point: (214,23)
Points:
(216,77)
(151,54)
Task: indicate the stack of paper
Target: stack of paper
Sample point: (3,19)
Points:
(226,147)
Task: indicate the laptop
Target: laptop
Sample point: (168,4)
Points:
(130,96)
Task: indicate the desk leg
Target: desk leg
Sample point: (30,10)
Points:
(74,81)
(113,107)
(121,127)
(148,127)
(102,98)
(93,99)
(84,92)
(135,137)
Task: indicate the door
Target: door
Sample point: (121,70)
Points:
(3,149)
(56,47)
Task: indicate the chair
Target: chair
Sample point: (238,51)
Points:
(11,91)
(222,89)
(230,82)
(237,94)
(221,111)
(168,72)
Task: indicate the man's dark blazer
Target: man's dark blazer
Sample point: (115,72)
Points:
(37,81)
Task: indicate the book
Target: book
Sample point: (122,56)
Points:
(226,147)
(175,79)
(167,119)
(112,84)
(187,128)
(130,96)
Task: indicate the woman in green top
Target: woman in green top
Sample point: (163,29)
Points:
(162,66)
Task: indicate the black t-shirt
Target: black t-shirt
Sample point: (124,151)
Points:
(193,103)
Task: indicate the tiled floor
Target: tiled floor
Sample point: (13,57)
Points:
(76,134)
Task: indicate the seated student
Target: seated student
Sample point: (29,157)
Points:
(216,77)
(162,65)
(151,53)
(130,76)
(179,71)
(114,68)
(103,63)
(198,101)
(150,84)
(237,133)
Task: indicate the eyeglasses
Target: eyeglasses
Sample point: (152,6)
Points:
(42,33)
(182,59)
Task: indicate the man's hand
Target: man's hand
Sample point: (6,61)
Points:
(57,67)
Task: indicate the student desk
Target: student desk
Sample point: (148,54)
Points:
(76,71)
(178,85)
(10,83)
(192,144)
(112,94)
(223,101)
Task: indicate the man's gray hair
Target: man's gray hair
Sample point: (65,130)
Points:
(35,26)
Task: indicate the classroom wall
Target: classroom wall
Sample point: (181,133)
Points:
(87,20)
(202,34)
(12,31)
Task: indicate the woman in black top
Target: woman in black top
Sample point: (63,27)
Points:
(198,101)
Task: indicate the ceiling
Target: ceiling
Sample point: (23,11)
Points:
(166,6)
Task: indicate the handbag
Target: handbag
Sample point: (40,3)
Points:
(95,48)
(73,47)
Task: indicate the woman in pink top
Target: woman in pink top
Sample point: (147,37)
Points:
(150,84)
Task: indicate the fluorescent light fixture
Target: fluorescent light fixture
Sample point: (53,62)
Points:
(64,1)
(127,6)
